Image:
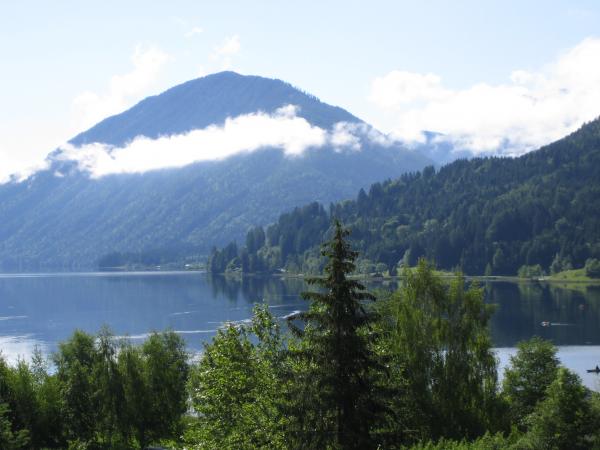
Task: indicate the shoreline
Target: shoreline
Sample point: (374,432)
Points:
(299,276)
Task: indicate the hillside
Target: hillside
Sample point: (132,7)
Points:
(485,215)
(63,218)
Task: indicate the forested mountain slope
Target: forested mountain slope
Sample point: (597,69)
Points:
(62,218)
(485,215)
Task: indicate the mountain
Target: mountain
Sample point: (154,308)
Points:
(484,215)
(440,150)
(65,218)
(209,101)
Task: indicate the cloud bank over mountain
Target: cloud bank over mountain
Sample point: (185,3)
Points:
(246,133)
(531,109)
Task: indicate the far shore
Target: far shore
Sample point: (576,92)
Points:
(447,275)
(573,277)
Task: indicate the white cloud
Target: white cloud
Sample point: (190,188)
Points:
(230,46)
(224,52)
(194,31)
(347,135)
(531,109)
(24,145)
(283,130)
(201,71)
(124,90)
(17,171)
(242,134)
(401,88)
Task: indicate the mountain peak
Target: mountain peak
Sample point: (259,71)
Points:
(225,74)
(206,101)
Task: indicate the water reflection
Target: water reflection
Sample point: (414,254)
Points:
(44,310)
(565,314)
(253,289)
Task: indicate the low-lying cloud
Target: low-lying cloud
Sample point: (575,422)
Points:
(283,129)
(531,109)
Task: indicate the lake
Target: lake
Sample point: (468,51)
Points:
(44,309)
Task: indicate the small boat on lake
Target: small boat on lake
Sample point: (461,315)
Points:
(596,370)
(545,323)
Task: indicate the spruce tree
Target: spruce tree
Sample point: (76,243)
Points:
(333,400)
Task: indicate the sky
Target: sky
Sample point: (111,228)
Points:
(483,73)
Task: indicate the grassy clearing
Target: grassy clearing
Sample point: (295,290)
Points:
(573,275)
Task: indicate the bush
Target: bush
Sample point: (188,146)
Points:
(531,271)
(529,374)
(592,268)
(486,442)
(564,419)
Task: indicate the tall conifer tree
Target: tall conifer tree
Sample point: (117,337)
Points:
(333,402)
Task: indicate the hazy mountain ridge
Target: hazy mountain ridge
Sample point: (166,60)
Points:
(54,222)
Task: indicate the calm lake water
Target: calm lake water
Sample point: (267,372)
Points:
(44,309)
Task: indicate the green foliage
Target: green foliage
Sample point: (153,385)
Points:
(102,394)
(365,266)
(560,264)
(564,419)
(166,371)
(530,271)
(333,400)
(486,442)
(36,401)
(235,388)
(154,378)
(10,440)
(294,234)
(531,371)
(437,344)
(74,367)
(592,268)
(137,417)
(542,208)
(488,270)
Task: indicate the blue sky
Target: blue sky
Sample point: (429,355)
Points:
(399,65)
